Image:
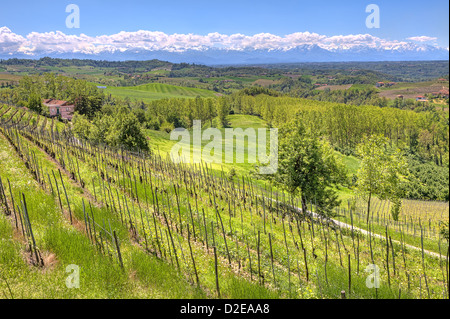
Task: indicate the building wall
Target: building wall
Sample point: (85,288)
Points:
(66,112)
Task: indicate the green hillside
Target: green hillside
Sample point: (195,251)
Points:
(156,91)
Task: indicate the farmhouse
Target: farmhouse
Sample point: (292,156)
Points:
(421,98)
(60,108)
(444,93)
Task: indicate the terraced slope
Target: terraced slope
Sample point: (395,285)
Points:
(155,91)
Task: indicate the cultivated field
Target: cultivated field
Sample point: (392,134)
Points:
(412,90)
(158,91)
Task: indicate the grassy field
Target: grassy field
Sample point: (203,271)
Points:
(155,91)
(162,144)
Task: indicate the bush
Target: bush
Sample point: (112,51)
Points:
(396,208)
(444,231)
(427,181)
(167,127)
(231,174)
(153,125)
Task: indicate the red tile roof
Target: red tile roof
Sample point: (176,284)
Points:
(52,102)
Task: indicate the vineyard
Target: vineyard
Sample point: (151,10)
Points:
(139,225)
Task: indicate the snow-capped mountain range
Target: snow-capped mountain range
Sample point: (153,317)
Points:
(215,48)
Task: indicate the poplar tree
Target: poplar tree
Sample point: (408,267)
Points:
(382,172)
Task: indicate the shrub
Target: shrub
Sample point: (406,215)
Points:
(167,127)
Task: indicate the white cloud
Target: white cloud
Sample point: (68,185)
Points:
(422,38)
(9,41)
(37,43)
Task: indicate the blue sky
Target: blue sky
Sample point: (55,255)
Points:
(399,19)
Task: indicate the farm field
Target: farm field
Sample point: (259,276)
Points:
(192,228)
(149,92)
(412,90)
(335,87)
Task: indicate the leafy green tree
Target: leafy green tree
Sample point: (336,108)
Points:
(222,112)
(382,172)
(121,128)
(209,109)
(35,103)
(308,167)
(101,125)
(140,115)
(127,131)
(81,126)
(88,105)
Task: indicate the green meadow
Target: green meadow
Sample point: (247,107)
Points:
(156,91)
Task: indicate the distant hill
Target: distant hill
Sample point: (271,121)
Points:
(394,71)
(402,70)
(56,65)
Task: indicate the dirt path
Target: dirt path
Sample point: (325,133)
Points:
(365,232)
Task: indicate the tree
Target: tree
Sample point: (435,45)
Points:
(35,103)
(308,167)
(210,110)
(119,129)
(126,131)
(81,126)
(88,105)
(222,112)
(382,172)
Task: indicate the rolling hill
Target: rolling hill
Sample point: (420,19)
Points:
(156,91)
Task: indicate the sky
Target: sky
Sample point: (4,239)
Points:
(417,21)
